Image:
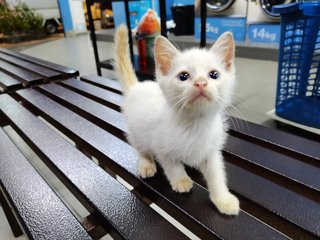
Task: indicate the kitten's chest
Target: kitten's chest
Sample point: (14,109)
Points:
(194,143)
(196,146)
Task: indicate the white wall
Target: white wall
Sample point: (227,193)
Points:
(77,14)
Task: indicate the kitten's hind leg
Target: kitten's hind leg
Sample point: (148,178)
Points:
(177,176)
(147,166)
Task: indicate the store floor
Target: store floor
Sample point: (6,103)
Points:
(255,94)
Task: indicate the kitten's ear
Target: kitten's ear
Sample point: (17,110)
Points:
(164,52)
(225,48)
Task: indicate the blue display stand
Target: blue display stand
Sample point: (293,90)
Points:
(218,25)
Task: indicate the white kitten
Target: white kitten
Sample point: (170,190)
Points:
(180,118)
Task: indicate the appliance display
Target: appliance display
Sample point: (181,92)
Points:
(260,11)
(234,8)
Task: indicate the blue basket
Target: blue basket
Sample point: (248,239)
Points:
(298,87)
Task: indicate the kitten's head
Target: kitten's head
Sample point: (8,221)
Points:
(196,80)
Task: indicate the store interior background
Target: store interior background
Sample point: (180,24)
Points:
(72,46)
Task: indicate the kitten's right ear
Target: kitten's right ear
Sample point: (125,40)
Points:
(225,47)
(164,52)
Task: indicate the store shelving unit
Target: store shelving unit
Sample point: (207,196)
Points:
(143,72)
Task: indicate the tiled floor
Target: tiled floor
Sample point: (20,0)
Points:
(255,93)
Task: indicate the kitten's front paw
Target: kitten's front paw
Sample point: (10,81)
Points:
(147,171)
(182,185)
(227,204)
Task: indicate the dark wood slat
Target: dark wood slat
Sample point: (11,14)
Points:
(9,83)
(24,75)
(42,214)
(277,139)
(42,71)
(128,216)
(56,67)
(205,220)
(113,100)
(283,202)
(275,162)
(86,106)
(111,85)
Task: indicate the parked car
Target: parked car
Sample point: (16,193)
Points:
(49,9)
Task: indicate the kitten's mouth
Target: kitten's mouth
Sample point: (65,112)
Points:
(200,96)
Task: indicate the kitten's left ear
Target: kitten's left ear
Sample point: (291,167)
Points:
(225,48)
(164,52)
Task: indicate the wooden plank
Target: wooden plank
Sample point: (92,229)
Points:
(111,85)
(204,221)
(129,217)
(41,212)
(281,164)
(9,83)
(25,76)
(42,71)
(94,111)
(277,140)
(112,100)
(56,67)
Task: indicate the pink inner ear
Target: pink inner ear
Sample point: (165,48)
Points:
(224,46)
(164,53)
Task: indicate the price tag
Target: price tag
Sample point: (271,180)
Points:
(264,33)
(217,25)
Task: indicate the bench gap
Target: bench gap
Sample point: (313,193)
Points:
(10,214)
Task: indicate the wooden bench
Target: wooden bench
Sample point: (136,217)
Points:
(275,174)
(18,71)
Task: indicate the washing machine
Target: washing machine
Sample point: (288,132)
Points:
(223,15)
(227,8)
(260,11)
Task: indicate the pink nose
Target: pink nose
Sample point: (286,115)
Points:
(201,84)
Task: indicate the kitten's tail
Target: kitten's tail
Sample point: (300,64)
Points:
(123,65)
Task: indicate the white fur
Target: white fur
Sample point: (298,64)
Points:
(192,133)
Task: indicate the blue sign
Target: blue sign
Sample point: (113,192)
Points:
(264,33)
(218,25)
(182,2)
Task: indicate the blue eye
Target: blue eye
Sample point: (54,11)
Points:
(214,75)
(183,76)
